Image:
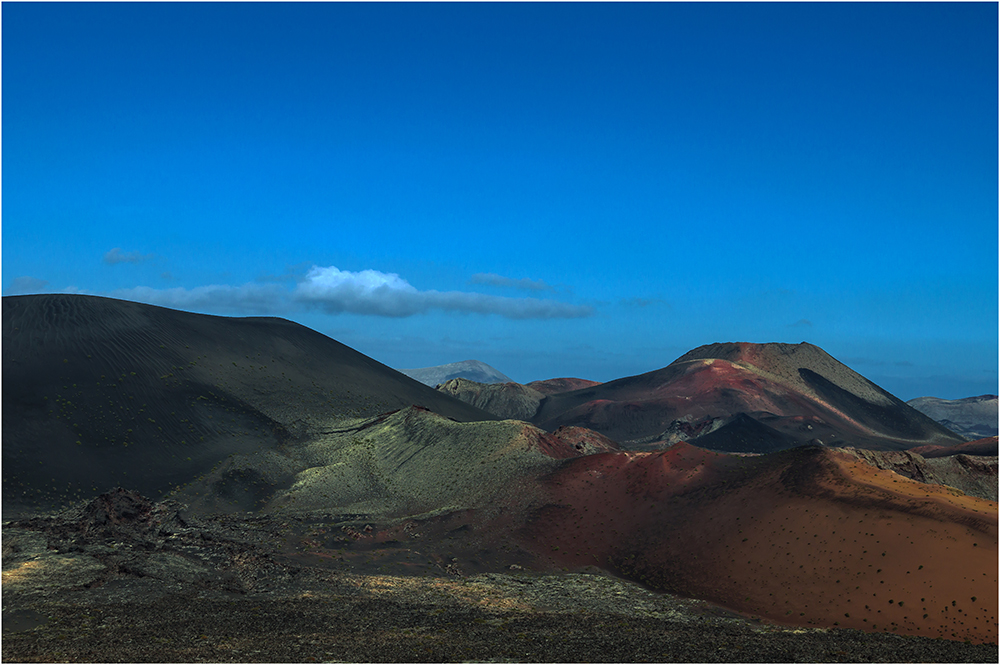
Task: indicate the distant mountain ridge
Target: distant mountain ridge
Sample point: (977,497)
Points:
(473,370)
(972,417)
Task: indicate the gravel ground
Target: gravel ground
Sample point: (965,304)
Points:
(331,628)
(130,581)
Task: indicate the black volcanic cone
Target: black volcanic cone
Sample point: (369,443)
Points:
(743,434)
(100,393)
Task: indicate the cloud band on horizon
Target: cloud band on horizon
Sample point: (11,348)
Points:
(524,283)
(115,255)
(334,291)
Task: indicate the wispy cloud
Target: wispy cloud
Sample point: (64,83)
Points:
(26,285)
(387,294)
(218,298)
(524,283)
(293,273)
(116,255)
(642,302)
(801,323)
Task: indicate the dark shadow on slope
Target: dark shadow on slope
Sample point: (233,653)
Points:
(743,434)
(896,421)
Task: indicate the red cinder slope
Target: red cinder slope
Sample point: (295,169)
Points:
(987,447)
(555,386)
(796,389)
(807,536)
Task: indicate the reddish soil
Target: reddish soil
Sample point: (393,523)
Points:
(987,446)
(565,385)
(586,440)
(807,537)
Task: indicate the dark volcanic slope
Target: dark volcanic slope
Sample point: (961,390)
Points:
(100,392)
(799,389)
(743,434)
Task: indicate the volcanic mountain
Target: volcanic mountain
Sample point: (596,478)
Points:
(99,392)
(472,370)
(797,390)
(504,400)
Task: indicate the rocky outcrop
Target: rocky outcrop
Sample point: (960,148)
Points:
(686,429)
(973,475)
(585,441)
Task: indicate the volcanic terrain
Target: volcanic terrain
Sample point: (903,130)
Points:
(274,449)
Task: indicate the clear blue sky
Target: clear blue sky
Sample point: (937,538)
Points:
(582,190)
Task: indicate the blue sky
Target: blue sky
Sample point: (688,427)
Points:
(583,190)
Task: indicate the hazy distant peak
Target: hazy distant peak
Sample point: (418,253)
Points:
(473,370)
(972,417)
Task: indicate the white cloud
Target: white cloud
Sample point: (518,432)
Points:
(117,256)
(387,294)
(25,285)
(499,280)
